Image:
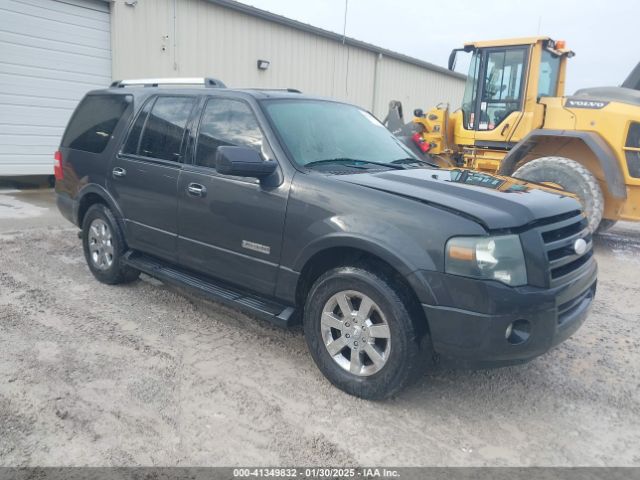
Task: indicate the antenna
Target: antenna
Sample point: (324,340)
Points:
(344,41)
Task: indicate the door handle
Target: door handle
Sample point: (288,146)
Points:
(196,190)
(119,172)
(504,129)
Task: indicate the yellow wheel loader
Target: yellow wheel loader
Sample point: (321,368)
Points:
(516,121)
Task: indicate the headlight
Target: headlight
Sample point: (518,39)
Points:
(492,258)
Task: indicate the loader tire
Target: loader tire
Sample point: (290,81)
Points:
(605,225)
(571,176)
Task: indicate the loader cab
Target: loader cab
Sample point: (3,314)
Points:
(505,81)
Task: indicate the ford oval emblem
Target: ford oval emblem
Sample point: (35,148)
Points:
(580,246)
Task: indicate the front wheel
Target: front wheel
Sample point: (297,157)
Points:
(573,177)
(360,332)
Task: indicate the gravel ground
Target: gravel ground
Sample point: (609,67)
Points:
(143,375)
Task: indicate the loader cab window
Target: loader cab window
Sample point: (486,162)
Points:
(503,85)
(549,69)
(471,92)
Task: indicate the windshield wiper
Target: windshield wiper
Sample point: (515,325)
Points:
(410,160)
(355,160)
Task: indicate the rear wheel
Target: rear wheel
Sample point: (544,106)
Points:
(104,247)
(573,177)
(361,334)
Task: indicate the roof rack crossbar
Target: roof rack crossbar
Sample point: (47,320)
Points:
(155,82)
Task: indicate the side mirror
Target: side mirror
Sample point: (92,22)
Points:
(243,162)
(454,53)
(452,59)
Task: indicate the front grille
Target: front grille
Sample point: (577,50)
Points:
(571,266)
(559,238)
(633,136)
(633,163)
(632,152)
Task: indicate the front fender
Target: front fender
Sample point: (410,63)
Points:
(382,239)
(602,151)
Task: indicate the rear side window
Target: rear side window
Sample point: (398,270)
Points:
(158,132)
(93,122)
(133,140)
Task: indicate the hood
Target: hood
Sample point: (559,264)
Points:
(494,201)
(599,97)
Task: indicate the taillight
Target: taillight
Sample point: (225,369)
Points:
(57,166)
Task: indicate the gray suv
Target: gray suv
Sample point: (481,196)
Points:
(296,208)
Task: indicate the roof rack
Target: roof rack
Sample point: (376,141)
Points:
(155,82)
(290,90)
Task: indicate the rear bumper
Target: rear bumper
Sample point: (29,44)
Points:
(67,206)
(477,339)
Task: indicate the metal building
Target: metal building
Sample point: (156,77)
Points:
(53,51)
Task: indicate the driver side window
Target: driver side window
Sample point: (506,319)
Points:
(226,122)
(503,86)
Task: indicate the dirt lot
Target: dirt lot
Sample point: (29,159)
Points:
(142,375)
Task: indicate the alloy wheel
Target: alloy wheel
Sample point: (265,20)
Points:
(100,242)
(355,332)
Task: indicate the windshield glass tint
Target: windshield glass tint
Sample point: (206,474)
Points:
(315,130)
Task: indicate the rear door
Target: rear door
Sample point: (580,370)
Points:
(230,227)
(144,175)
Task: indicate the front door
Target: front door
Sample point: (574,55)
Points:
(144,175)
(493,101)
(230,227)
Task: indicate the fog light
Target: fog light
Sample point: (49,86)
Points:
(518,332)
(507,334)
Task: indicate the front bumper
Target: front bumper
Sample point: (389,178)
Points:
(476,337)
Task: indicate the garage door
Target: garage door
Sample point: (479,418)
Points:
(51,53)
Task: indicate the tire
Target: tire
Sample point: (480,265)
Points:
(571,176)
(605,225)
(104,246)
(405,353)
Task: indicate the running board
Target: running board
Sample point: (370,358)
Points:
(266,309)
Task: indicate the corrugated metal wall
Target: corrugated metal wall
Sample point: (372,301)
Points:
(415,87)
(211,40)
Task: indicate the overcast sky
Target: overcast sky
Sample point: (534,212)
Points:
(604,34)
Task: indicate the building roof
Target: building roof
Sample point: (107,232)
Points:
(305,27)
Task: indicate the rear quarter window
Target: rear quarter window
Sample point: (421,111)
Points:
(94,121)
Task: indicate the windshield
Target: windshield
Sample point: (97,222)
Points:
(316,131)
(549,68)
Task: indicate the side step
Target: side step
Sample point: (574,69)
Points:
(263,308)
